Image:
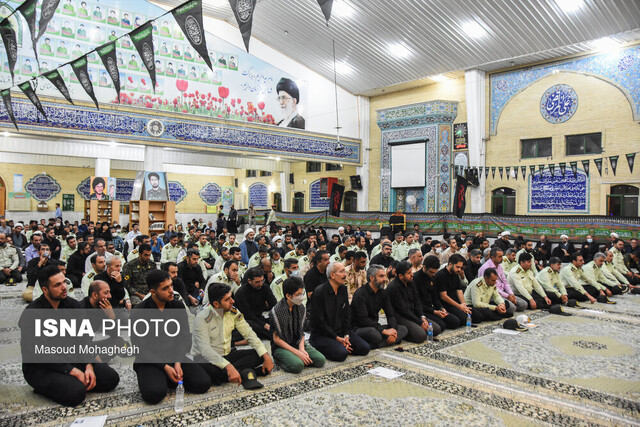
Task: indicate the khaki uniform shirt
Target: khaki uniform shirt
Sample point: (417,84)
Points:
(254,261)
(610,271)
(9,257)
(67,252)
(595,273)
(169,253)
(87,279)
(355,279)
(219,278)
(574,277)
(618,261)
(507,265)
(479,294)
(400,252)
(550,281)
(524,283)
(206,251)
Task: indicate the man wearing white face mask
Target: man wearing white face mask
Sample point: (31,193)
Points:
(289,347)
(436,248)
(277,266)
(290,269)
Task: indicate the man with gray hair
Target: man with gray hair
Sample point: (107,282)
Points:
(610,271)
(100,247)
(367,302)
(415,258)
(502,285)
(593,270)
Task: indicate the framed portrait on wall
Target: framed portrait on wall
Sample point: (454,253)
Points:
(155,186)
(98,188)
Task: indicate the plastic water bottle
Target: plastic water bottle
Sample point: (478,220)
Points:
(430,334)
(200,296)
(468,322)
(179,405)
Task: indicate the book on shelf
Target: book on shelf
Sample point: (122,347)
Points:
(157,226)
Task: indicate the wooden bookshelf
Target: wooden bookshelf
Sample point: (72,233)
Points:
(151,215)
(100,211)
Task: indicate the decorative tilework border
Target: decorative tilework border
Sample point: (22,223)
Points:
(81,121)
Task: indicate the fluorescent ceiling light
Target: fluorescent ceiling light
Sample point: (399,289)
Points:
(569,6)
(605,43)
(342,8)
(473,29)
(216,3)
(399,50)
(343,68)
(439,78)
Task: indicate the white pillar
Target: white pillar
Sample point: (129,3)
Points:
(153,159)
(475,97)
(284,190)
(363,171)
(103,167)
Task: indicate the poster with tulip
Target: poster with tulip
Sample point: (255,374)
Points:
(238,86)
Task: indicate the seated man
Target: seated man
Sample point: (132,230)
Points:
(113,277)
(447,281)
(331,317)
(340,255)
(135,273)
(367,302)
(406,303)
(76,263)
(253,299)
(64,383)
(212,340)
(170,363)
(191,274)
(98,265)
(509,261)
(170,251)
(611,272)
(356,273)
(178,285)
(384,257)
(495,261)
(483,297)
(40,262)
(549,278)
(9,262)
(287,319)
(593,270)
(618,262)
(579,286)
(290,269)
(207,253)
(430,298)
(523,281)
(225,256)
(230,276)
(263,252)
(473,264)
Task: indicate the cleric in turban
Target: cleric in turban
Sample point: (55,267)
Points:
(289,98)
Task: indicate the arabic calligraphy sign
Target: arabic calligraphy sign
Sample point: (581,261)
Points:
(558,104)
(556,193)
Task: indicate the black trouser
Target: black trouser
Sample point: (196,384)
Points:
(615,290)
(240,359)
(66,389)
(555,299)
(333,350)
(540,302)
(260,330)
(573,294)
(375,338)
(633,280)
(154,382)
(17,277)
(487,315)
(461,315)
(415,333)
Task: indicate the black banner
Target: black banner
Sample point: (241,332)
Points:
(337,192)
(459,202)
(574,168)
(107,53)
(80,68)
(460,136)
(10,45)
(243,10)
(189,17)
(142,38)
(493,172)
(523,169)
(552,168)
(563,168)
(6,98)
(631,158)
(598,163)
(47,10)
(326,5)
(508,171)
(614,163)
(27,89)
(585,166)
(57,80)
(28,10)
(532,170)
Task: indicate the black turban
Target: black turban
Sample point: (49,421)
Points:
(290,87)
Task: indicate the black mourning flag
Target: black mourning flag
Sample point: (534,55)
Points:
(480,169)
(326,5)
(10,44)
(552,168)
(459,202)
(631,158)
(598,163)
(585,166)
(614,163)
(28,10)
(80,68)
(107,53)
(563,168)
(508,171)
(500,169)
(574,168)
(58,81)
(142,38)
(243,10)
(532,170)
(337,192)
(189,17)
(6,98)
(47,11)
(493,172)
(30,93)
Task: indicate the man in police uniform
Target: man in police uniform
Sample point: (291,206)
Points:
(9,262)
(611,272)
(221,260)
(236,255)
(593,270)
(618,262)
(69,248)
(290,269)
(213,328)
(340,256)
(155,192)
(111,248)
(483,297)
(263,252)
(207,254)
(509,261)
(277,266)
(397,243)
(98,265)
(523,280)
(231,242)
(579,286)
(549,279)
(135,273)
(229,276)
(170,252)
(140,240)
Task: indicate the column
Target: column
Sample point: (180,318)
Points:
(285,189)
(103,167)
(153,159)
(475,96)
(363,171)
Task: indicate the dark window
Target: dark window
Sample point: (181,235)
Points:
(623,201)
(503,201)
(251,173)
(333,167)
(265,173)
(277,200)
(350,201)
(538,147)
(298,202)
(589,143)
(314,166)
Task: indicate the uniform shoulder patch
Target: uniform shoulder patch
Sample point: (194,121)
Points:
(135,251)
(209,316)
(90,275)
(233,310)
(126,277)
(519,270)
(279,281)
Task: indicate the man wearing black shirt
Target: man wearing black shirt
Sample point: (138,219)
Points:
(430,298)
(473,265)
(54,244)
(178,285)
(384,258)
(64,383)
(406,302)
(162,360)
(447,281)
(191,274)
(316,274)
(76,263)
(252,299)
(331,318)
(35,265)
(367,302)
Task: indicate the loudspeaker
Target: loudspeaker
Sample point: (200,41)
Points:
(235,182)
(290,178)
(356,184)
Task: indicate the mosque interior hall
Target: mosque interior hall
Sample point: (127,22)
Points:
(354,212)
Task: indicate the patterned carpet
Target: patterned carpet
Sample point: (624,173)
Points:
(579,370)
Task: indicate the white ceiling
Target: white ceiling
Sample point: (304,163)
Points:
(431,32)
